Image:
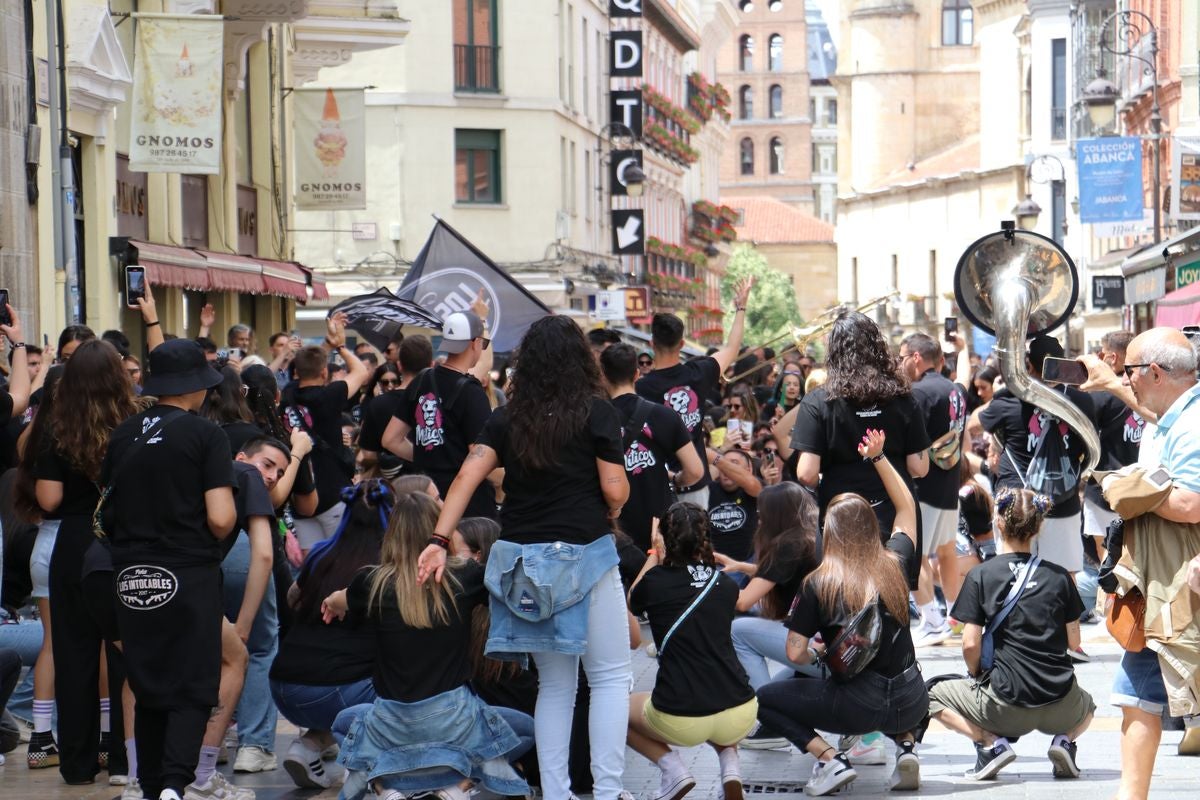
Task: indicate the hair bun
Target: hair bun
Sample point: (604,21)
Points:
(1004,500)
(1042,503)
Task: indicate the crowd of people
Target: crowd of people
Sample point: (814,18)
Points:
(436,564)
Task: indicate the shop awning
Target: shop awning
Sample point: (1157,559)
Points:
(319,287)
(285,279)
(230,273)
(1155,255)
(1180,307)
(172,266)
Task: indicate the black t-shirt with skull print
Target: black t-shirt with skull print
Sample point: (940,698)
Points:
(682,388)
(646,466)
(698,672)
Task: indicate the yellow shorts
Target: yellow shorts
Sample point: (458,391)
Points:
(725,728)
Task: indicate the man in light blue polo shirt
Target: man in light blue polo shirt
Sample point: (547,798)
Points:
(1160,369)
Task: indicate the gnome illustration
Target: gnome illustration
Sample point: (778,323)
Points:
(330,142)
(184,68)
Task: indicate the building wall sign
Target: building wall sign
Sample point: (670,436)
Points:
(247,220)
(1187,274)
(628,231)
(625,108)
(178,73)
(624,8)
(130,201)
(1145,287)
(1108,291)
(625,54)
(1185,178)
(1110,179)
(619,161)
(637,304)
(331,160)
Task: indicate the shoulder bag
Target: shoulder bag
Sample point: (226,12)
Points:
(138,441)
(1125,618)
(987,649)
(688,611)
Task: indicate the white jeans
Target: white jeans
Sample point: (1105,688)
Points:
(606,664)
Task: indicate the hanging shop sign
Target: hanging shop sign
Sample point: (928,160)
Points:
(331,162)
(624,8)
(1108,291)
(1185,178)
(625,54)
(178,73)
(619,162)
(1110,179)
(628,232)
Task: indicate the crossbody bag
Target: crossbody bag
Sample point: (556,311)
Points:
(688,611)
(159,427)
(987,649)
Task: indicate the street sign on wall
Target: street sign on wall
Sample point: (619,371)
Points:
(1108,291)
(628,232)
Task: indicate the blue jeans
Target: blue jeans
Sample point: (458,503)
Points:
(24,636)
(520,722)
(1138,682)
(316,707)
(256,715)
(757,642)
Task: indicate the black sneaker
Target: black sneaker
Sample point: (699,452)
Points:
(990,760)
(763,738)
(43,752)
(102,754)
(1062,754)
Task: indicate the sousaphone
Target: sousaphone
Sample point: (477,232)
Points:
(1016,285)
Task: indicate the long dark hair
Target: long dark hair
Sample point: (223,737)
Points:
(25,488)
(261,389)
(224,402)
(74,333)
(331,567)
(556,378)
(787,528)
(93,397)
(685,536)
(855,566)
(386,368)
(860,364)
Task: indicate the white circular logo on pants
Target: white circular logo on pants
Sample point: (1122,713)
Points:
(144,587)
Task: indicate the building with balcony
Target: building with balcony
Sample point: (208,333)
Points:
(495,116)
(222,239)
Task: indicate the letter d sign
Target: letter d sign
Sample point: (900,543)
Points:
(625,54)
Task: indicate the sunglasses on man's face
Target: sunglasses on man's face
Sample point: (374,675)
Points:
(644,363)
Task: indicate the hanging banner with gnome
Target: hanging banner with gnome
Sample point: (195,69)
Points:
(177,80)
(331,162)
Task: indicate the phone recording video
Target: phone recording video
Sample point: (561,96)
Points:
(5,317)
(949,328)
(135,284)
(1064,370)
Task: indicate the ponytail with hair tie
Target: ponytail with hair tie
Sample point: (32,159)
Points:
(377,493)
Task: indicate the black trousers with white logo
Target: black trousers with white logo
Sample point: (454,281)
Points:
(170,622)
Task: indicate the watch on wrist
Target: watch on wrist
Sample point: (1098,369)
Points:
(15,345)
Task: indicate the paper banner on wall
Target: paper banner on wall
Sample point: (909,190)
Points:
(331,163)
(178,73)
(1185,178)
(1110,179)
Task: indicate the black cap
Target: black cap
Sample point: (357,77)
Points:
(1042,346)
(179,367)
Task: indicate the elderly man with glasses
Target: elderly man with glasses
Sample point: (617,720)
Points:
(1160,381)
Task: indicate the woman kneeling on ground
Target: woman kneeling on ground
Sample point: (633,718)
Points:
(426,731)
(701,693)
(888,693)
(1031,684)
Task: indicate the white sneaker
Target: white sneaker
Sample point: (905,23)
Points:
(252,758)
(673,787)
(117,780)
(929,636)
(304,765)
(907,775)
(217,787)
(829,776)
(132,790)
(453,793)
(868,753)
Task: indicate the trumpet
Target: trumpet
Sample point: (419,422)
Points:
(802,337)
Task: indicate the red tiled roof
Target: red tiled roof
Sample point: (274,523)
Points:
(957,158)
(766,220)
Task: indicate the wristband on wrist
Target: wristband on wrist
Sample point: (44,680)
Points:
(16,345)
(874,459)
(440,541)
(152,324)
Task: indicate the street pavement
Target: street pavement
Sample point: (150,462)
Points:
(780,774)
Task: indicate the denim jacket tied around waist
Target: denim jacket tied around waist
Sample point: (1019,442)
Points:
(536,592)
(430,744)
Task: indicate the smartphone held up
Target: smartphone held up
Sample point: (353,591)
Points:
(1064,370)
(5,317)
(135,284)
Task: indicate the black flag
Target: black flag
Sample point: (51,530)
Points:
(448,274)
(379,316)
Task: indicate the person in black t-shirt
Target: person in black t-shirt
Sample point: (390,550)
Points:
(445,408)
(320,669)
(943,404)
(863,390)
(171,503)
(316,407)
(701,694)
(1031,684)
(423,642)
(416,354)
(733,503)
(661,437)
(1041,452)
(683,386)
(888,694)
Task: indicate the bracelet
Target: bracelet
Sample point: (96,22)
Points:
(15,345)
(440,541)
(152,324)
(875,459)
(652,552)
(739,308)
(813,655)
(298,458)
